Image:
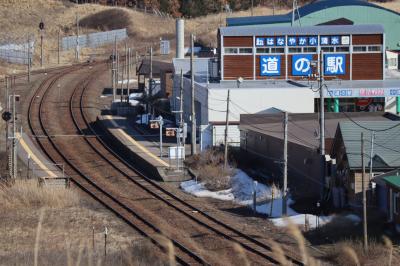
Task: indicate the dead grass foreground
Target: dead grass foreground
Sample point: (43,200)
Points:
(209,167)
(27,194)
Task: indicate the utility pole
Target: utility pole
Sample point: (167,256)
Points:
(252,7)
(285,164)
(114,71)
(364,197)
(58,48)
(126,65)
(322,120)
(41,48)
(371,154)
(151,75)
(29,60)
(7,122)
(181,99)
(14,142)
(226,130)
(193,148)
(129,71)
(77,38)
(122,81)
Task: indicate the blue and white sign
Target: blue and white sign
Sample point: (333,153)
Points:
(324,40)
(313,40)
(270,65)
(301,65)
(292,41)
(335,64)
(280,41)
(335,40)
(260,41)
(302,41)
(270,41)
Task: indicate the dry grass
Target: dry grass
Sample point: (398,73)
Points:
(43,226)
(209,167)
(27,194)
(351,252)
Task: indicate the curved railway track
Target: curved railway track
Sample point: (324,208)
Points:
(102,150)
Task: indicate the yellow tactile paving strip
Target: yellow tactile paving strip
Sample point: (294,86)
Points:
(28,150)
(134,142)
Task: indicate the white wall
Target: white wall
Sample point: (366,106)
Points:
(246,100)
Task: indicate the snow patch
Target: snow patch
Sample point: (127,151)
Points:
(268,203)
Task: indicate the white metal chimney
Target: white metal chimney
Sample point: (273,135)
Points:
(180,38)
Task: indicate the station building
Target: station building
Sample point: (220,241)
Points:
(268,68)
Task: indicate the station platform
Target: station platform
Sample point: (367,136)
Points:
(136,144)
(37,165)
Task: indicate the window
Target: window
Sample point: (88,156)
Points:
(294,50)
(359,49)
(231,50)
(328,49)
(374,48)
(277,50)
(245,50)
(396,201)
(263,50)
(310,49)
(342,49)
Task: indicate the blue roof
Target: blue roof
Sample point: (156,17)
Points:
(303,11)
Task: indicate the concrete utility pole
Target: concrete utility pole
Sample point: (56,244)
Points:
(193,148)
(77,56)
(127,67)
(151,71)
(322,119)
(58,47)
(371,154)
(29,60)
(114,71)
(122,81)
(7,122)
(285,164)
(226,130)
(364,196)
(14,142)
(41,48)
(181,100)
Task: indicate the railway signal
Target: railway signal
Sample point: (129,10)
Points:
(154,125)
(6,116)
(170,132)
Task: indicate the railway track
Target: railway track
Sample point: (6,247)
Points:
(105,152)
(182,255)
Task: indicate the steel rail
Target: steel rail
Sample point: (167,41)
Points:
(142,176)
(94,186)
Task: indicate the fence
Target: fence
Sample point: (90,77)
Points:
(94,40)
(17,53)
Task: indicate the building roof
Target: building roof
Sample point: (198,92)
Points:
(393,180)
(386,150)
(306,30)
(304,128)
(303,11)
(158,67)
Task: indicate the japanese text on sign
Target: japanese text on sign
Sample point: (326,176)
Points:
(270,65)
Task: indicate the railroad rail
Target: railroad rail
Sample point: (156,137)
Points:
(98,145)
(185,257)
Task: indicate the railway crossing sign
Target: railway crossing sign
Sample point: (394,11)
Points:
(6,116)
